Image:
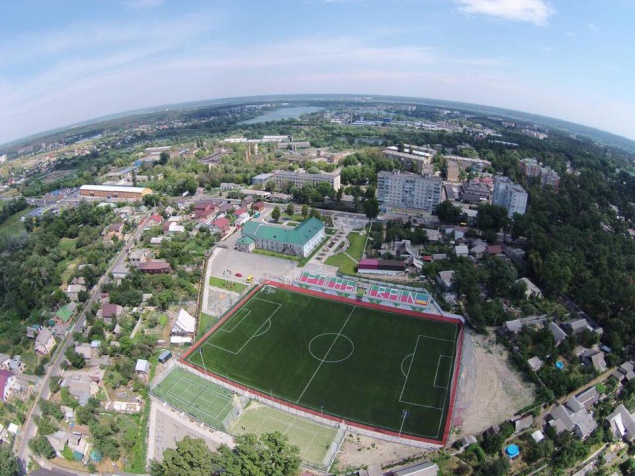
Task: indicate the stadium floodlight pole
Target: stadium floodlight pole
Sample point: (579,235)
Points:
(404,414)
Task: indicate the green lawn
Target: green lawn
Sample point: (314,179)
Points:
(13,225)
(67,244)
(226,284)
(312,438)
(342,260)
(348,361)
(196,396)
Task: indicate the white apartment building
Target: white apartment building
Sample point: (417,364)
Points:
(301,177)
(509,195)
(406,190)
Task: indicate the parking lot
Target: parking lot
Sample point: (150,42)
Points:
(248,264)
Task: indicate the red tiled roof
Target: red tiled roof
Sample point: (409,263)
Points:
(221,222)
(109,310)
(158,218)
(258,205)
(495,249)
(154,266)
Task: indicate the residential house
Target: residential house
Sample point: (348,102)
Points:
(173,228)
(572,416)
(73,290)
(523,423)
(16,364)
(220,225)
(595,359)
(142,367)
(241,212)
(495,250)
(121,271)
(224,208)
(467,440)
(247,202)
(258,207)
(445,279)
(33,330)
(157,240)
(84,350)
(625,372)
(532,291)
(155,267)
(512,327)
(141,255)
(7,384)
(58,441)
(80,386)
(155,220)
(576,326)
(5,360)
(461,250)
(537,436)
(185,325)
(205,211)
(587,397)
(77,445)
(433,235)
(439,256)
(108,312)
(478,248)
(114,231)
(558,334)
(44,342)
(535,363)
(622,424)
(63,315)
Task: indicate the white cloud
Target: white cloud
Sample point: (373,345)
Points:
(593,27)
(531,11)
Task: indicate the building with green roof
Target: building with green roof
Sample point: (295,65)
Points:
(64,314)
(299,241)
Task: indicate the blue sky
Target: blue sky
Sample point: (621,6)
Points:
(66,61)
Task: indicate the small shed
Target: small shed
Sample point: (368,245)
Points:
(165,356)
(142,367)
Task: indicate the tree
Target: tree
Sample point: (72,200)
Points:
(267,455)
(448,213)
(305,211)
(8,462)
(164,157)
(275,213)
(75,359)
(371,208)
(290,209)
(41,447)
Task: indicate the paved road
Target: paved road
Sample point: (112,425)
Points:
(29,427)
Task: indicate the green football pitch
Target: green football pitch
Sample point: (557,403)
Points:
(194,395)
(372,367)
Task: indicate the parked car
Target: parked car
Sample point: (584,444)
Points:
(239,275)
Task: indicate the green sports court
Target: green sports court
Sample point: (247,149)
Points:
(369,365)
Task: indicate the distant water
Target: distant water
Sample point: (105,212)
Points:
(283,113)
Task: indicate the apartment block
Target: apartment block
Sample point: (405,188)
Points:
(406,190)
(301,177)
(546,175)
(509,195)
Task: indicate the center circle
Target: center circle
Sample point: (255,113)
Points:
(331,348)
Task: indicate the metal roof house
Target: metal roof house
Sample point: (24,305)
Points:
(299,241)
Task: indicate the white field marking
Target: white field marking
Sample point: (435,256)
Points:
(449,383)
(326,355)
(324,358)
(289,426)
(268,321)
(437,372)
(404,359)
(255,334)
(189,403)
(239,320)
(414,353)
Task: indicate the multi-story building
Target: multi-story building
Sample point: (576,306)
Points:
(509,195)
(301,177)
(414,160)
(406,190)
(546,175)
(114,192)
(299,241)
(475,192)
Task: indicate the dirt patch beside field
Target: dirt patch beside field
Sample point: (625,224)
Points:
(490,391)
